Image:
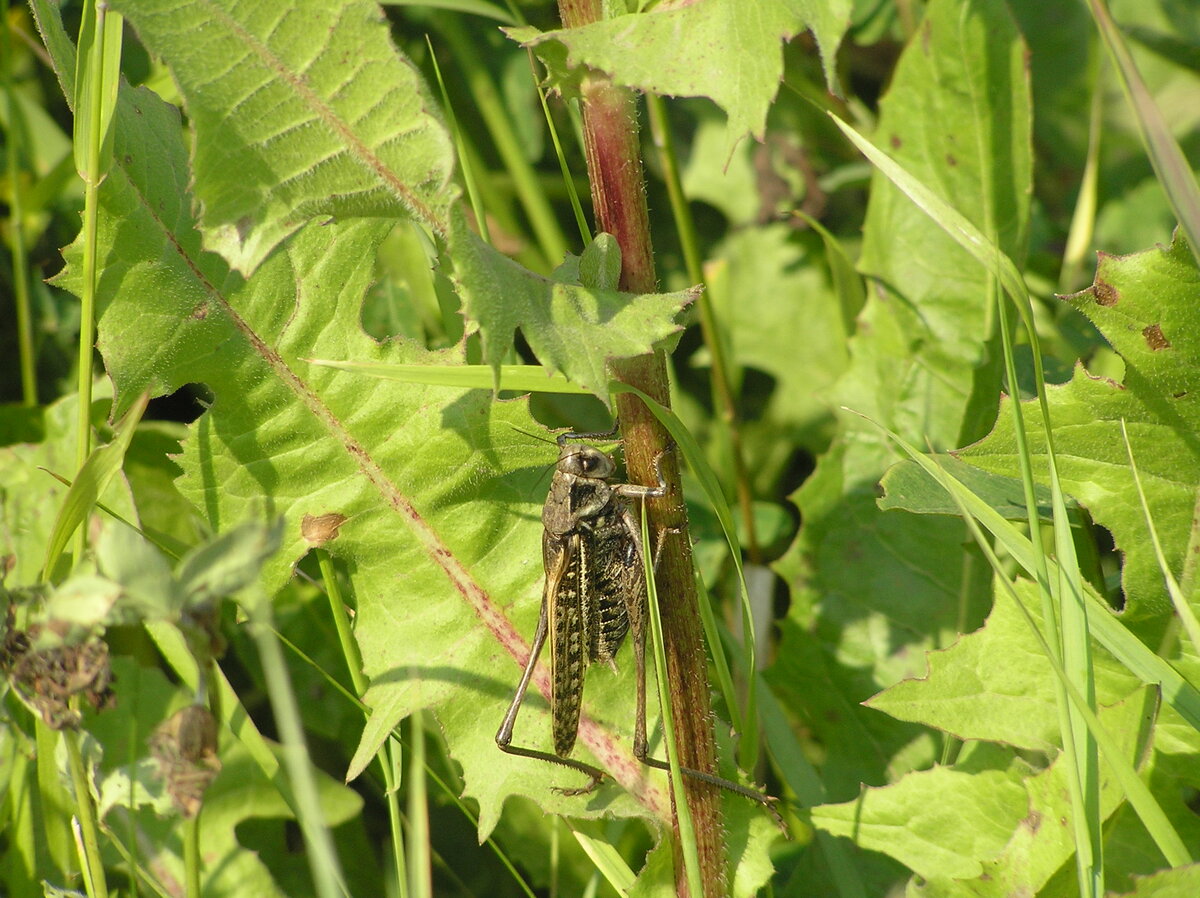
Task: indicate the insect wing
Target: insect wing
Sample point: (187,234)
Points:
(563,561)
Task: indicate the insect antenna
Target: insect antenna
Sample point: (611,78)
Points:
(534,436)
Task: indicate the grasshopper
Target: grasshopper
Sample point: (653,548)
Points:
(595,593)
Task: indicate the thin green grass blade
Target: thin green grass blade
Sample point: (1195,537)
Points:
(745,723)
(1170,165)
(508,145)
(520,378)
(1074,636)
(606,858)
(420,852)
(683,813)
(585,232)
(1083,218)
(93,479)
(464,158)
(712,634)
(322,855)
(97,77)
(1143,802)
(470,7)
(1183,608)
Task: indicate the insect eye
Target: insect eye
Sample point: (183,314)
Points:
(589,463)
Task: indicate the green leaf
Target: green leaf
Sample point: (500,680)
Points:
(572,329)
(439,492)
(1144,304)
(30,498)
(90,483)
(600,263)
(149,590)
(689,50)
(299,111)
(996,684)
(768,285)
(873,590)
(928,836)
(228,563)
(908,487)
(989,826)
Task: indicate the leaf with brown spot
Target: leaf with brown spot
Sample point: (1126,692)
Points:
(1157,401)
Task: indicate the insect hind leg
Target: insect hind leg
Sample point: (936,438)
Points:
(505,733)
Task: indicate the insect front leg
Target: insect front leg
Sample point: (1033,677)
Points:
(637,491)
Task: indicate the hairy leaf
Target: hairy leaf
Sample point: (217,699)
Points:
(573,329)
(726,50)
(300,109)
(438,490)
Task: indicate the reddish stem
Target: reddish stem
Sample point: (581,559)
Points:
(619,197)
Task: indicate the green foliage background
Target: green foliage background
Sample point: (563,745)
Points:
(287,188)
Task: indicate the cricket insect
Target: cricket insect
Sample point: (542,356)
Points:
(595,592)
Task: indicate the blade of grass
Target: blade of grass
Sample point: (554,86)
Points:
(322,856)
(1139,795)
(1083,218)
(606,858)
(95,474)
(1170,165)
(712,635)
(683,814)
(520,378)
(721,374)
(1182,607)
(464,160)
(491,109)
(585,232)
(1064,595)
(390,758)
(744,722)
(96,81)
(420,869)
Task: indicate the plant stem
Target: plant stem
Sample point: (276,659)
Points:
(85,811)
(619,198)
(17,137)
(719,372)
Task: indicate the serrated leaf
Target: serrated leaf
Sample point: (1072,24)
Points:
(1178,882)
(439,492)
(873,590)
(1144,304)
(300,110)
(572,329)
(726,50)
(990,826)
(996,684)
(929,836)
